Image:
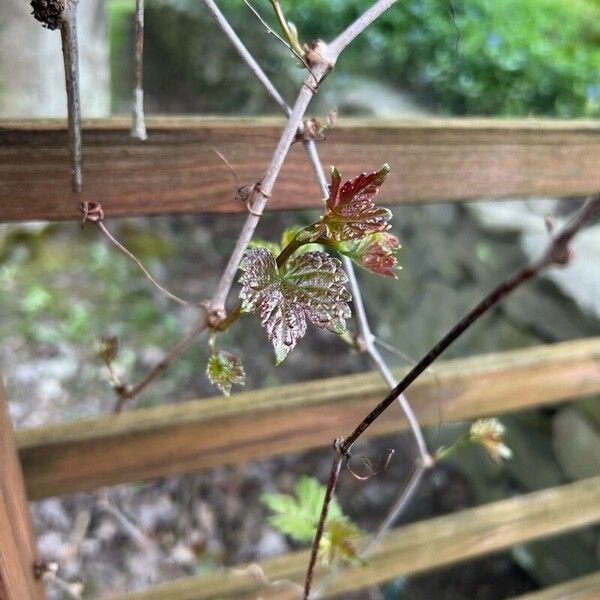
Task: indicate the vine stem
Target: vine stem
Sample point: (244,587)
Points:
(334,475)
(401,502)
(357,27)
(177,350)
(287,137)
(111,238)
(138,125)
(68,34)
(362,320)
(558,253)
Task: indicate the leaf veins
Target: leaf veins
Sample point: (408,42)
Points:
(350,212)
(375,252)
(297,516)
(310,289)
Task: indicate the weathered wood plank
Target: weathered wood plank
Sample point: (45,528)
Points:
(582,588)
(17,545)
(413,548)
(195,435)
(176,170)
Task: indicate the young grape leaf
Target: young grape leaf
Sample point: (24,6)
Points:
(225,369)
(350,212)
(107,348)
(339,541)
(375,252)
(310,289)
(298,517)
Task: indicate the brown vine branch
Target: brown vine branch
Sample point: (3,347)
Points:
(68,33)
(108,235)
(408,491)
(326,62)
(334,474)
(558,253)
(315,161)
(62,14)
(138,126)
(177,350)
(94,213)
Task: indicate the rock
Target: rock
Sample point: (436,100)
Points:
(271,543)
(53,546)
(580,279)
(182,555)
(54,514)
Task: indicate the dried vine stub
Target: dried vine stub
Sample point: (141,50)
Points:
(48,12)
(138,126)
(62,14)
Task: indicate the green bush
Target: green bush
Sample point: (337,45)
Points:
(486,57)
(509,57)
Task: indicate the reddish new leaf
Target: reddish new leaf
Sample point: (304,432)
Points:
(311,289)
(350,212)
(375,252)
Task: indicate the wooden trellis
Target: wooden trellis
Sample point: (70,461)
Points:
(176,171)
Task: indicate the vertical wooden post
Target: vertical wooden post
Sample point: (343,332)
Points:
(17,543)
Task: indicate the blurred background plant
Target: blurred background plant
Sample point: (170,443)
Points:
(517,57)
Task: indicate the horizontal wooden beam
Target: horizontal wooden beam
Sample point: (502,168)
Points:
(413,548)
(195,435)
(582,588)
(177,170)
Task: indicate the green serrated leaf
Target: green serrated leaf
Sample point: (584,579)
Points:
(350,212)
(297,517)
(225,369)
(339,542)
(310,289)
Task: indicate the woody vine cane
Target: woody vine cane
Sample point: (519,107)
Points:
(366,336)
(62,14)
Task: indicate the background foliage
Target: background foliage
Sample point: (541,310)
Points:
(516,57)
